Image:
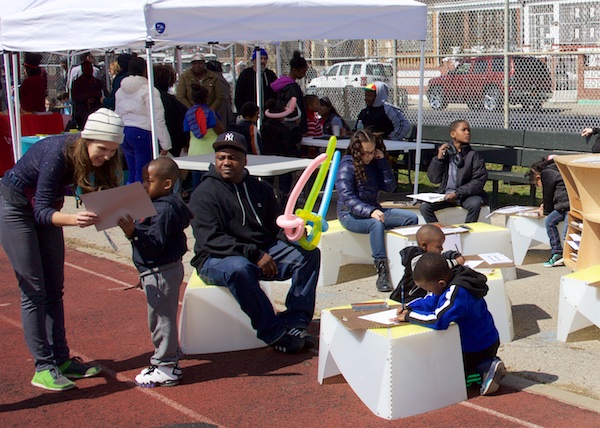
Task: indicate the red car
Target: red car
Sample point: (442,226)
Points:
(479,82)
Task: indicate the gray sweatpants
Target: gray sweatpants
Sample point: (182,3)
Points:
(161,285)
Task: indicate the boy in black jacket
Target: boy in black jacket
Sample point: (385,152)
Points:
(555,206)
(461,173)
(159,243)
(430,238)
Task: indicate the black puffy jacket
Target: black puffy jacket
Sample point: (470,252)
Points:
(554,191)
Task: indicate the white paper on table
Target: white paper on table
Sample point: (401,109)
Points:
(112,204)
(473,263)
(573,245)
(575,237)
(510,210)
(427,197)
(383,317)
(495,258)
(452,243)
(406,231)
(454,230)
(588,159)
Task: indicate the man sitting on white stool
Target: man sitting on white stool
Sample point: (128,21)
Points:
(237,245)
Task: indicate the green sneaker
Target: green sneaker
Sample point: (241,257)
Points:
(74,368)
(555,260)
(52,380)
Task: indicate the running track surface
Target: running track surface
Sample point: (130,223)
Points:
(257,388)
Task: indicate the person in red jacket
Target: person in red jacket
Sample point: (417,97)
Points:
(32,92)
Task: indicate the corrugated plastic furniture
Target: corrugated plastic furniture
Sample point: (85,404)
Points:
(397,372)
(211,320)
(579,301)
(499,305)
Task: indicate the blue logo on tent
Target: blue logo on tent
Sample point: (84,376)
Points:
(160,27)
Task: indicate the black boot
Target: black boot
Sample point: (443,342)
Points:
(383,283)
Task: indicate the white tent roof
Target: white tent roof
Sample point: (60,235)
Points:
(61,25)
(14,6)
(193,21)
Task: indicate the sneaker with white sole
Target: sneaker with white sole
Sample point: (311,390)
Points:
(52,379)
(309,340)
(154,376)
(288,344)
(75,368)
(555,260)
(492,378)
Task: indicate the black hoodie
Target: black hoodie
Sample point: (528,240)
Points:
(233,219)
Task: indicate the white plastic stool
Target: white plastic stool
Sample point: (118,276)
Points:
(397,372)
(211,320)
(579,302)
(499,306)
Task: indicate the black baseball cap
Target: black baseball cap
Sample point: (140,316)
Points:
(231,139)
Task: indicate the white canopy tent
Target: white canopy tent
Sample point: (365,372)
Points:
(60,25)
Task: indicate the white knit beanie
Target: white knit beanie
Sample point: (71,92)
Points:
(104,125)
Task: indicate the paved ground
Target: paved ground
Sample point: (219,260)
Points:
(265,388)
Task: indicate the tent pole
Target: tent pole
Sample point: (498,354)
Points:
(11,106)
(259,97)
(419,119)
(17,100)
(155,149)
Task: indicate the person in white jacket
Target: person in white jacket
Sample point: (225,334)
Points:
(133,105)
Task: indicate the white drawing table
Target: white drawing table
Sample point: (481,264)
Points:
(342,144)
(397,372)
(258,165)
(579,301)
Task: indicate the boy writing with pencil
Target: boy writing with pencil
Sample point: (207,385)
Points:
(458,297)
(159,243)
(429,237)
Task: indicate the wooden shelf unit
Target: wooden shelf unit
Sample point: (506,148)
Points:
(582,180)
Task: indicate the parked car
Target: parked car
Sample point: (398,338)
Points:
(479,82)
(354,73)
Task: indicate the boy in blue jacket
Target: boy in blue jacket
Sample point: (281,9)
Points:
(159,243)
(457,296)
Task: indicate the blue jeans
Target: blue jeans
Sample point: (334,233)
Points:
(472,204)
(393,217)
(551,223)
(242,278)
(37,255)
(137,147)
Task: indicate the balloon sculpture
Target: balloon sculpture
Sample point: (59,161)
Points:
(294,225)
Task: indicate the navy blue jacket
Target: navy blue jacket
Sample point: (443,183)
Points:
(161,239)
(360,200)
(40,177)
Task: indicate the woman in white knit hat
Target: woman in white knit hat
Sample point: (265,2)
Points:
(32,194)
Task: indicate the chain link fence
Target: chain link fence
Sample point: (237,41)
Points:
(522,64)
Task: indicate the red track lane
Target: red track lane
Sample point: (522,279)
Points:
(257,388)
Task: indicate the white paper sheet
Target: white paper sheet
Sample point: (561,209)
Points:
(573,245)
(473,263)
(495,258)
(427,197)
(575,237)
(512,209)
(453,243)
(112,204)
(588,159)
(383,317)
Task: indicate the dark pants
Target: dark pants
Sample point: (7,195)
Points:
(242,278)
(37,255)
(472,204)
(479,362)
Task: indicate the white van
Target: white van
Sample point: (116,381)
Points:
(354,73)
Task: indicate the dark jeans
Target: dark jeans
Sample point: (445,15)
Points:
(551,223)
(37,255)
(479,362)
(242,278)
(137,147)
(472,204)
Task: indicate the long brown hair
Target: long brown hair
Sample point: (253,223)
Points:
(87,176)
(355,148)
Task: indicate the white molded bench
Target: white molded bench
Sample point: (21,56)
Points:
(579,302)
(211,320)
(397,372)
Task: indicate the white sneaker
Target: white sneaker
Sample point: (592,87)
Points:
(154,376)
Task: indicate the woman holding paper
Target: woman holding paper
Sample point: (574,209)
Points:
(362,173)
(32,194)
